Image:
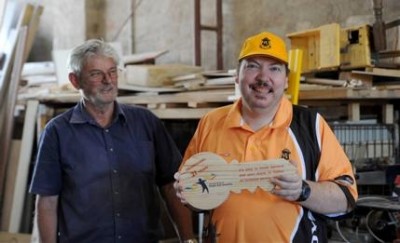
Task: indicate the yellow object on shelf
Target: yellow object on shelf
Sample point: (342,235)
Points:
(321,47)
(295,66)
(355,49)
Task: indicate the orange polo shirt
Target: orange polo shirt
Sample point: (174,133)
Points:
(261,216)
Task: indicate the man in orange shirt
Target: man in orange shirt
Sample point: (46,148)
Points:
(259,126)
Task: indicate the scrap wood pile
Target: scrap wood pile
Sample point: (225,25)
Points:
(162,86)
(140,82)
(19,23)
(346,57)
(174,77)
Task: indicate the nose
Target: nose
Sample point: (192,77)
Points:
(264,74)
(107,77)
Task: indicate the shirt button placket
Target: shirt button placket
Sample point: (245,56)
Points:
(115,180)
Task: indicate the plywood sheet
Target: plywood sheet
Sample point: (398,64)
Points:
(18,170)
(157,75)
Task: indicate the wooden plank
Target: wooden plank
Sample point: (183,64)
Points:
(162,89)
(10,184)
(6,75)
(33,26)
(320,46)
(24,19)
(380,72)
(2,10)
(157,75)
(324,81)
(220,81)
(26,15)
(346,94)
(38,68)
(145,57)
(9,105)
(329,46)
(95,21)
(10,20)
(183,97)
(388,113)
(386,72)
(181,113)
(6,237)
(354,111)
(18,172)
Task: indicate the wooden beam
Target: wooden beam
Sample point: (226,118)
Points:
(181,113)
(2,9)
(9,105)
(354,111)
(33,26)
(18,171)
(388,114)
(10,184)
(95,19)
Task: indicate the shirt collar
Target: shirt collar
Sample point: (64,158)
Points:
(80,115)
(283,116)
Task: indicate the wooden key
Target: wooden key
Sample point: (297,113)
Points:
(207,179)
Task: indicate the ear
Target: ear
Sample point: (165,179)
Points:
(237,79)
(287,82)
(74,79)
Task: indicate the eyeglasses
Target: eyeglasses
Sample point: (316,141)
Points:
(97,75)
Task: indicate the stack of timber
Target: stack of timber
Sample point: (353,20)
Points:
(181,105)
(37,78)
(175,77)
(340,57)
(19,24)
(342,71)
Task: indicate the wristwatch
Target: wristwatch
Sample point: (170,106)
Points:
(305,192)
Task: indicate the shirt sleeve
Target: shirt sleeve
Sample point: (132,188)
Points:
(334,164)
(46,178)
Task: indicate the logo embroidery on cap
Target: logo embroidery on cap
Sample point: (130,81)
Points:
(265,43)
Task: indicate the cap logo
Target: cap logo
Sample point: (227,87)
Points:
(265,43)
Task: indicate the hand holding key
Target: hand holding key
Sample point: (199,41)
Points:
(207,180)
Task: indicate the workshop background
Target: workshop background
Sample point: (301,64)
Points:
(179,60)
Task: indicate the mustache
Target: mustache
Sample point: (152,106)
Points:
(259,84)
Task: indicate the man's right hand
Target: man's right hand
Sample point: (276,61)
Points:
(178,188)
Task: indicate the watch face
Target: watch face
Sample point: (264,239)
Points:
(305,192)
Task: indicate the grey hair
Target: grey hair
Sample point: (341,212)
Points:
(81,53)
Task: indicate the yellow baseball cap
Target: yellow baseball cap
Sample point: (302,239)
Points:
(264,44)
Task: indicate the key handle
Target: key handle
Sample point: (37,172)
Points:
(207,179)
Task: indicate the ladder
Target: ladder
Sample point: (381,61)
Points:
(198,27)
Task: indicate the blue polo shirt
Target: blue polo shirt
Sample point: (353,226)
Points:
(107,179)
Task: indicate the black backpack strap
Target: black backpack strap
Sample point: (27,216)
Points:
(312,225)
(303,126)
